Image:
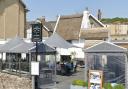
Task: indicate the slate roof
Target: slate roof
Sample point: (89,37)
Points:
(48,27)
(105,47)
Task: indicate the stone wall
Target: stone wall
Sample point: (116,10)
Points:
(8,81)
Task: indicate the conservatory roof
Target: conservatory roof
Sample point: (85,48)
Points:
(10,44)
(18,45)
(105,47)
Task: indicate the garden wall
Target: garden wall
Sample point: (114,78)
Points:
(8,81)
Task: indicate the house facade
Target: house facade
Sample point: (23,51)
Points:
(118,34)
(12,18)
(118,31)
(78,29)
(82,30)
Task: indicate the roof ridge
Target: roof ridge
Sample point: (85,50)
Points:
(71,16)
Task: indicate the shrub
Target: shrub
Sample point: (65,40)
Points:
(119,86)
(80,83)
(108,86)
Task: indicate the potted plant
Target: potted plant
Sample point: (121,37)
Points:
(79,84)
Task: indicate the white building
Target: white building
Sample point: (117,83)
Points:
(76,29)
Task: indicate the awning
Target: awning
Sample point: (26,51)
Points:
(43,48)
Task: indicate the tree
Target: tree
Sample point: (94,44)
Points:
(115,20)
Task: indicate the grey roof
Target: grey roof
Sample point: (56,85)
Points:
(10,44)
(57,41)
(43,48)
(17,45)
(22,48)
(105,47)
(31,47)
(1,45)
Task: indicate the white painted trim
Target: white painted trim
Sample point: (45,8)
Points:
(120,42)
(46,28)
(105,42)
(85,24)
(97,20)
(58,19)
(116,45)
(94,45)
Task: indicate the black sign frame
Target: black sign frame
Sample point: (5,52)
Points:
(37,32)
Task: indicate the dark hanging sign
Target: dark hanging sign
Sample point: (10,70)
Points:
(37,32)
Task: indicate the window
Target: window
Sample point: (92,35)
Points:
(70,41)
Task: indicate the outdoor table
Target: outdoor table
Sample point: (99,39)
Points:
(47,72)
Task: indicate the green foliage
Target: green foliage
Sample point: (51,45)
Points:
(105,85)
(80,83)
(119,86)
(108,86)
(116,20)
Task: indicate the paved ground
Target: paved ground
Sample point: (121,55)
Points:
(64,82)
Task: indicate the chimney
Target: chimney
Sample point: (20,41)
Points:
(42,19)
(99,14)
(85,21)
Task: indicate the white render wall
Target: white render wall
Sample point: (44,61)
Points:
(79,52)
(29,33)
(85,21)
(79,43)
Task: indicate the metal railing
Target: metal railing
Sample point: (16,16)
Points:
(18,68)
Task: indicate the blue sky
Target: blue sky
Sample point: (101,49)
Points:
(51,8)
